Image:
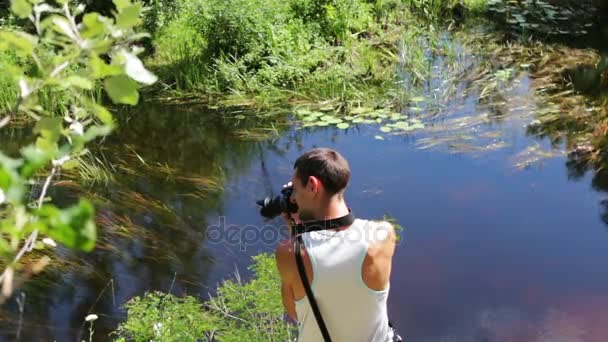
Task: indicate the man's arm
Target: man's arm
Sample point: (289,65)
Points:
(284,256)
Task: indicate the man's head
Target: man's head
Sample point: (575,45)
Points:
(320,175)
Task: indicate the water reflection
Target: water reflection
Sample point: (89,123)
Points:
(170,167)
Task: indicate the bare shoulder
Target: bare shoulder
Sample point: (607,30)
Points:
(386,232)
(385,239)
(284,256)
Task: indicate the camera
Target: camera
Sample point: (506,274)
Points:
(273,207)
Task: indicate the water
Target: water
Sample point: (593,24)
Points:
(489,252)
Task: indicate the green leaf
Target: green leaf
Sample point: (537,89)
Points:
(20,42)
(343,125)
(401,125)
(93,26)
(5,178)
(122,90)
(417,126)
(49,128)
(78,81)
(121,4)
(47,145)
(103,114)
(21,8)
(358,120)
(385,129)
(378,137)
(129,16)
(101,69)
(35,159)
(328,118)
(96,131)
(74,227)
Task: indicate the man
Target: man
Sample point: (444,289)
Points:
(348,267)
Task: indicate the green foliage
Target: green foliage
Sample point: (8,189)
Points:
(67,59)
(266,46)
(250,311)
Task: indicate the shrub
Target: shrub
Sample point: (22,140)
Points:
(250,311)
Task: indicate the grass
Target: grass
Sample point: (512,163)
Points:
(269,52)
(239,311)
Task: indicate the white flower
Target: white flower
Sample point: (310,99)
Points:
(91,318)
(2,196)
(156,328)
(77,128)
(25,88)
(49,242)
(61,161)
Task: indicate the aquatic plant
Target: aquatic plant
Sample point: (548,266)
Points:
(540,17)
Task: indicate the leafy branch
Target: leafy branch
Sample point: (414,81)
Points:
(71,58)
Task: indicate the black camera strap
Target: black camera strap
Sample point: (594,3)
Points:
(313,226)
(309,294)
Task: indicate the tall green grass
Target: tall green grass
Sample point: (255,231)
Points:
(344,50)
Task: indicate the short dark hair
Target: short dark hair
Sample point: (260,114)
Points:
(327,165)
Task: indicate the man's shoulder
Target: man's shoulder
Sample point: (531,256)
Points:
(284,254)
(385,228)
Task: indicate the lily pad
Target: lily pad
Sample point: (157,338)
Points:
(322,123)
(303,112)
(309,118)
(417,126)
(348,118)
(369,121)
(397,116)
(401,125)
(327,108)
(343,125)
(327,117)
(334,121)
(378,137)
(385,129)
(358,120)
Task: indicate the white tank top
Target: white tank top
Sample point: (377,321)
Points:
(351,311)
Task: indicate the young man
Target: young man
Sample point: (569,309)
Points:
(348,267)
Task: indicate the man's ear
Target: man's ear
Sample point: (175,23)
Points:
(314,184)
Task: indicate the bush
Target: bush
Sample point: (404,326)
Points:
(250,311)
(254,45)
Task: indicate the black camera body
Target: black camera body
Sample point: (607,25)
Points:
(273,207)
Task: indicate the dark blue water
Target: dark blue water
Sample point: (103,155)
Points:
(489,252)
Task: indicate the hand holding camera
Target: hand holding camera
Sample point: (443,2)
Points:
(281,205)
